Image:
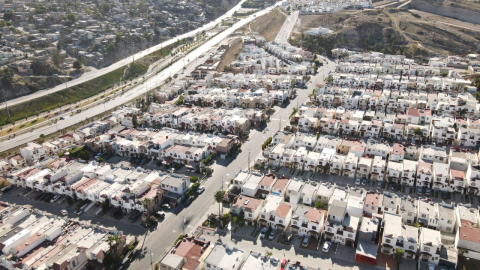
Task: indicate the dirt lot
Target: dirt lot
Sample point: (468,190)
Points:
(231,54)
(268,25)
(446,20)
(388,31)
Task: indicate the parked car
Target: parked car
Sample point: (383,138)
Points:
(431,266)
(263,233)
(419,190)
(55,198)
(287,238)
(64,212)
(326,246)
(272,235)
(61,199)
(159,214)
(379,184)
(167,206)
(428,191)
(357,182)
(200,190)
(306,241)
(394,187)
(444,195)
(364,182)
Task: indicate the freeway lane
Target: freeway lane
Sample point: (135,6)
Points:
(92,75)
(134,92)
(158,242)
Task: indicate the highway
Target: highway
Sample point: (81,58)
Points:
(136,91)
(161,240)
(92,75)
(287,27)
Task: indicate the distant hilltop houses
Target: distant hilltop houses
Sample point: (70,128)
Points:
(320,6)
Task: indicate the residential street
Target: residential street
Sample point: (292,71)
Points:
(162,239)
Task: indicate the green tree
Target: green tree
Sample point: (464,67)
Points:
(146,203)
(7,75)
(71,17)
(218,196)
(134,121)
(57,57)
(398,255)
(114,241)
(105,205)
(111,48)
(418,132)
(77,64)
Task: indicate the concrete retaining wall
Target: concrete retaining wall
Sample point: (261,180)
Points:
(447,11)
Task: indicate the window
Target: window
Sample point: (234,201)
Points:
(424,216)
(410,214)
(329,229)
(388,241)
(449,228)
(208,265)
(314,227)
(281,221)
(449,221)
(294,223)
(426,249)
(350,235)
(263,216)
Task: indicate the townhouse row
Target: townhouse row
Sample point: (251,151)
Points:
(34,240)
(427,166)
(124,186)
(426,231)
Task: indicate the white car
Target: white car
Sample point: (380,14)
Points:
(326,246)
(64,212)
(431,266)
(201,189)
(55,198)
(357,182)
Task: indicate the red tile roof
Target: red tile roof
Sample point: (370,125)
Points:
(267,179)
(315,215)
(282,210)
(467,232)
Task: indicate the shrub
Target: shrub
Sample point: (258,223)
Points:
(193,179)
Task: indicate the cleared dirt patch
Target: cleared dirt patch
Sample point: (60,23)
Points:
(231,54)
(269,24)
(386,30)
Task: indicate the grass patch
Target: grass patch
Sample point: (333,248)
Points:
(180,237)
(23,126)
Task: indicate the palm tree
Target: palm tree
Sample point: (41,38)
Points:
(218,196)
(398,255)
(113,241)
(146,203)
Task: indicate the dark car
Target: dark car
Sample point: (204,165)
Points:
(445,195)
(287,238)
(394,187)
(419,190)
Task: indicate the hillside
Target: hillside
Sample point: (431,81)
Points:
(389,31)
(268,25)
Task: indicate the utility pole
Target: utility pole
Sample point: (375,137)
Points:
(151,258)
(5,98)
(248,165)
(280,124)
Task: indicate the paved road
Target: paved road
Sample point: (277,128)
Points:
(287,27)
(134,92)
(92,75)
(161,240)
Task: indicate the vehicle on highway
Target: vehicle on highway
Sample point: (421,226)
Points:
(263,232)
(357,182)
(326,246)
(419,190)
(306,241)
(167,206)
(64,212)
(201,189)
(62,118)
(272,235)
